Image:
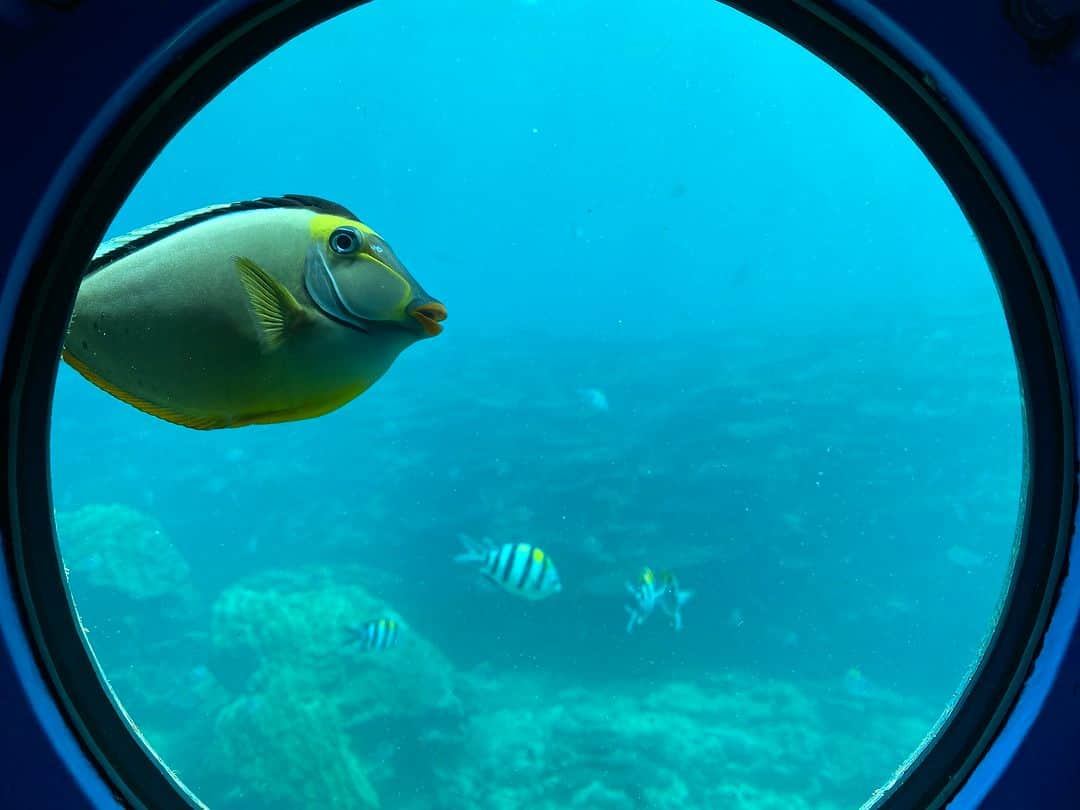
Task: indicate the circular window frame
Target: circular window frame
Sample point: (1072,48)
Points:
(932,775)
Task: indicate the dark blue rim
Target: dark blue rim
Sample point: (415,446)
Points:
(227,49)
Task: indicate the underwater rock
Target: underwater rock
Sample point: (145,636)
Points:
(283,636)
(598,796)
(285,748)
(300,619)
(114,547)
(144,620)
(732,741)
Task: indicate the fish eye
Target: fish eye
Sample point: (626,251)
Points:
(345,240)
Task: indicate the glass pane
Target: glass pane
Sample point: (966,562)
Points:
(710,313)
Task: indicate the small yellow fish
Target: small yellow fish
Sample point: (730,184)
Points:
(269,310)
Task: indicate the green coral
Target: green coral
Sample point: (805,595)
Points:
(117,547)
(142,616)
(298,620)
(286,747)
(734,741)
(312,728)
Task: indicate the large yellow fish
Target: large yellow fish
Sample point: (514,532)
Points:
(269,310)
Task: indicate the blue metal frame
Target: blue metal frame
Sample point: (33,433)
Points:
(69,69)
(1025,114)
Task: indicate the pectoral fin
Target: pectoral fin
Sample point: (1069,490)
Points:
(277,312)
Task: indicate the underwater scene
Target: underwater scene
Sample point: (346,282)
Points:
(620,414)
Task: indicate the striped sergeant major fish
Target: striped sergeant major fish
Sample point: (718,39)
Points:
(518,568)
(645,592)
(377,634)
(672,598)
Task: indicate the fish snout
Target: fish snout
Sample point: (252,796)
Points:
(429,314)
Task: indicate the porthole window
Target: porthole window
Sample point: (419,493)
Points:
(539,405)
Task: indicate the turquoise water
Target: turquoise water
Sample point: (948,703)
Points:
(710,311)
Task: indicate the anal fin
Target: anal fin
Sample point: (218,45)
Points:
(160,411)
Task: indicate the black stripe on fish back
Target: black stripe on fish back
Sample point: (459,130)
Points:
(543,573)
(492,563)
(392,635)
(509,566)
(525,571)
(369,639)
(316,204)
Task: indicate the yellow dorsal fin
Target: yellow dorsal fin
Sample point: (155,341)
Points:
(160,411)
(275,308)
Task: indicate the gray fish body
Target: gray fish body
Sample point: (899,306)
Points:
(170,328)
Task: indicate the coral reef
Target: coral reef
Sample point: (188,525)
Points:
(735,741)
(143,616)
(113,547)
(319,724)
(285,747)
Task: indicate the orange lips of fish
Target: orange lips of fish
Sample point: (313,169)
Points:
(430,317)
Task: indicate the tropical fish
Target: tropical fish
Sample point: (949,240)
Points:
(736,618)
(965,557)
(377,634)
(856,684)
(594,398)
(672,598)
(518,568)
(254,312)
(645,591)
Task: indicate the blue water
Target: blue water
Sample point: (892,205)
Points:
(710,310)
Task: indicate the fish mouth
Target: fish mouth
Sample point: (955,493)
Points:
(430,317)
